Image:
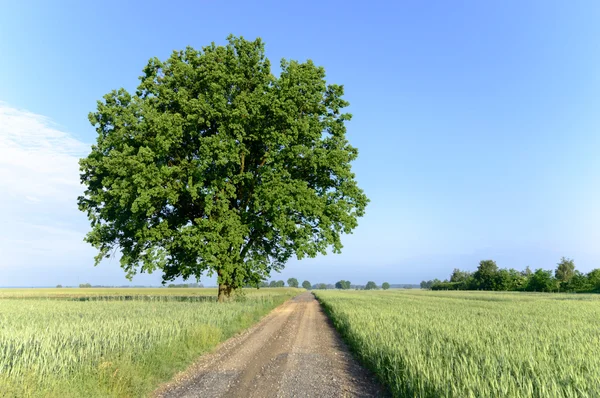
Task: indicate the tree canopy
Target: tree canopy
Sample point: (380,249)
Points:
(292,282)
(215,165)
(370,285)
(385,286)
(565,270)
(485,276)
(342,285)
(306,285)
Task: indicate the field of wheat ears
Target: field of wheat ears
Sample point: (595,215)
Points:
(114,342)
(473,344)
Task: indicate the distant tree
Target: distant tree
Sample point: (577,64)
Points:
(579,282)
(593,278)
(518,281)
(459,276)
(385,286)
(527,272)
(292,282)
(280,283)
(342,285)
(306,285)
(541,281)
(486,275)
(370,285)
(84,285)
(426,284)
(263,284)
(58,286)
(321,286)
(565,270)
(503,280)
(273,284)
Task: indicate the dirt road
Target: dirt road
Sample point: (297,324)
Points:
(293,352)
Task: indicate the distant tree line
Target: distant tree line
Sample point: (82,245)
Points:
(345,285)
(342,284)
(185,285)
(489,277)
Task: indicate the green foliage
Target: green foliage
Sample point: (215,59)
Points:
(565,270)
(541,281)
(215,165)
(277,283)
(459,276)
(485,277)
(385,286)
(321,286)
(109,346)
(473,344)
(306,285)
(594,278)
(426,284)
(85,285)
(370,285)
(59,286)
(579,282)
(489,277)
(342,284)
(292,282)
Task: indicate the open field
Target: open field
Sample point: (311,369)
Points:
(473,344)
(59,346)
(122,292)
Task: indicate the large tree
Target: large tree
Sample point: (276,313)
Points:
(215,165)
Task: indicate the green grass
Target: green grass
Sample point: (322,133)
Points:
(473,344)
(55,346)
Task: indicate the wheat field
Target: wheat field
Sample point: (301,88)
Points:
(97,343)
(473,344)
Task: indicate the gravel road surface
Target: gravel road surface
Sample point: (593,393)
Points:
(293,352)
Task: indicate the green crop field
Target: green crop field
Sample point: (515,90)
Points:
(113,342)
(473,344)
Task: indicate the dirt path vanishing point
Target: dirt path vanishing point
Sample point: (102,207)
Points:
(293,352)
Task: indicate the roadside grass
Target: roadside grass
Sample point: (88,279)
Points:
(473,344)
(52,347)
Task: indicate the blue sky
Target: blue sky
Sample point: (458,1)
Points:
(477,125)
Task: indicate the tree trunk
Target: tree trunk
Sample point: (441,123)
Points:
(224,293)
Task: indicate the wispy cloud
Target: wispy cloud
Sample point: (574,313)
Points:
(38,161)
(39,185)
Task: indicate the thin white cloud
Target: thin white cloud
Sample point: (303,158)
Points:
(37,160)
(39,185)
